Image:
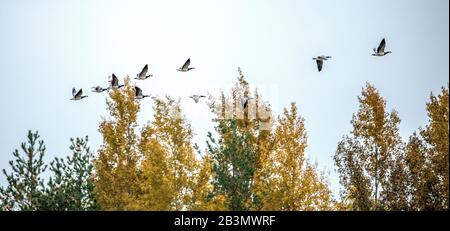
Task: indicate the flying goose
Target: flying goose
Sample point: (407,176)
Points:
(244,101)
(98,89)
(138,92)
(324,57)
(142,75)
(380,50)
(114,83)
(185,66)
(77,95)
(196,98)
(319,60)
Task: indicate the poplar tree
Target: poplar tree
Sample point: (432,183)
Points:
(369,158)
(295,184)
(117,173)
(203,198)
(427,157)
(169,164)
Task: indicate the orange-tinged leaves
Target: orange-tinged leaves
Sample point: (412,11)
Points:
(117,175)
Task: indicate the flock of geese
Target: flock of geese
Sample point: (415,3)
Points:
(114,82)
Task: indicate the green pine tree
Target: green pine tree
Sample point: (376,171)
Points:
(71,186)
(233,165)
(25,184)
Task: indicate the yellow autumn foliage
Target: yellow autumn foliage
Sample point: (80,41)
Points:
(117,173)
(283,179)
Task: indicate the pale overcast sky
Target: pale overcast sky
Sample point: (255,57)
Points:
(48,47)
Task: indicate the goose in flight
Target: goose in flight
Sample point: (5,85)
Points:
(196,98)
(138,93)
(114,83)
(143,74)
(98,89)
(319,60)
(324,57)
(380,50)
(244,101)
(77,95)
(185,66)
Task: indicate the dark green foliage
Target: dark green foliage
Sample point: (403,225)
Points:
(25,184)
(71,186)
(233,165)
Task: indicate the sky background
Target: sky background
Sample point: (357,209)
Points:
(48,47)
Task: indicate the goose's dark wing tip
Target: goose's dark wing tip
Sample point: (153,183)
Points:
(138,90)
(382,45)
(186,64)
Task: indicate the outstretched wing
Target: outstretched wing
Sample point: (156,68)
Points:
(138,91)
(73,92)
(319,64)
(79,93)
(381,46)
(244,101)
(324,57)
(114,80)
(144,70)
(186,64)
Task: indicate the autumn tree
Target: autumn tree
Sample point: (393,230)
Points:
(71,187)
(295,184)
(25,183)
(157,184)
(203,198)
(370,158)
(427,157)
(117,173)
(170,164)
(255,162)
(152,168)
